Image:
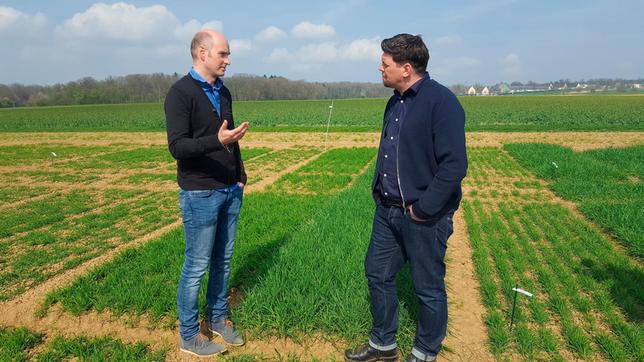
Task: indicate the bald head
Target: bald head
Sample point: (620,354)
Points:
(206,39)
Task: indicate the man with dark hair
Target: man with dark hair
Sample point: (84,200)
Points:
(417,188)
(211,178)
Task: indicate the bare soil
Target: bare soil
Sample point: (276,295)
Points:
(467,335)
(578,141)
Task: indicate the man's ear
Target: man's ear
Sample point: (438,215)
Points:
(407,70)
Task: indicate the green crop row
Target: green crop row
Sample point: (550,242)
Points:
(483,113)
(45,247)
(17,344)
(587,301)
(297,270)
(607,185)
(329,173)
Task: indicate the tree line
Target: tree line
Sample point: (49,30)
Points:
(151,88)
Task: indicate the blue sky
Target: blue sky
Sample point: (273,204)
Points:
(46,42)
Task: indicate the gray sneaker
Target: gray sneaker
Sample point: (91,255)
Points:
(225,330)
(201,346)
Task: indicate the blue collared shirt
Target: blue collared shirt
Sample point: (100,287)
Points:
(212,91)
(388,151)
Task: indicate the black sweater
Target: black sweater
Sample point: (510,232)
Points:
(203,163)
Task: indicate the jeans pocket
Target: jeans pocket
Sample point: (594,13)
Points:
(199,194)
(204,206)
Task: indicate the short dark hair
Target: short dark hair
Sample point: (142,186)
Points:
(407,48)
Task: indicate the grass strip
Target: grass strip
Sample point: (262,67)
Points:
(15,343)
(316,283)
(98,349)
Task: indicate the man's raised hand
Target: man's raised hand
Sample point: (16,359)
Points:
(227,136)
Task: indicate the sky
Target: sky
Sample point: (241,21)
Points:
(484,42)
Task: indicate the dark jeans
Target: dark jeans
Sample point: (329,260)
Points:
(395,239)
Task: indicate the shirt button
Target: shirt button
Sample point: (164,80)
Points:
(385,175)
(401,101)
(386,156)
(386,194)
(392,137)
(396,119)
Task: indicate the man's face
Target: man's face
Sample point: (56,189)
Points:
(392,73)
(217,59)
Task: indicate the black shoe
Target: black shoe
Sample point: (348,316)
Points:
(412,358)
(366,353)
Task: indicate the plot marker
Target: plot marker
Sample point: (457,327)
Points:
(518,290)
(328,123)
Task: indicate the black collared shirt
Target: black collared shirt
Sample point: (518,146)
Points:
(388,151)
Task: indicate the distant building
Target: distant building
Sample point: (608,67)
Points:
(471,91)
(504,88)
(485,92)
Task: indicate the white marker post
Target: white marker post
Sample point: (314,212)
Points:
(517,290)
(53,156)
(328,123)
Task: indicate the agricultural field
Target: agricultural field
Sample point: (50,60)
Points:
(91,246)
(503,113)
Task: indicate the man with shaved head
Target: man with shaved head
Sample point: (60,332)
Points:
(210,173)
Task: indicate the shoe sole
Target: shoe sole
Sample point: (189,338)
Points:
(395,358)
(202,355)
(222,337)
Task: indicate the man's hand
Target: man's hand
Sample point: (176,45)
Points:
(413,216)
(227,136)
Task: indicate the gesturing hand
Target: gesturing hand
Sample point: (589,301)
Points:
(227,136)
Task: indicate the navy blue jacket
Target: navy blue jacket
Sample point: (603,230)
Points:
(432,159)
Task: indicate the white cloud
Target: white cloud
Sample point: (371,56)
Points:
(185,32)
(240,46)
(14,21)
(120,22)
(449,40)
(317,53)
(279,55)
(307,30)
(271,33)
(328,52)
(123,22)
(362,49)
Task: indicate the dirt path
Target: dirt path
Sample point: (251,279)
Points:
(467,335)
(576,140)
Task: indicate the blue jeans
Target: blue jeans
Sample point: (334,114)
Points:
(396,239)
(210,225)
